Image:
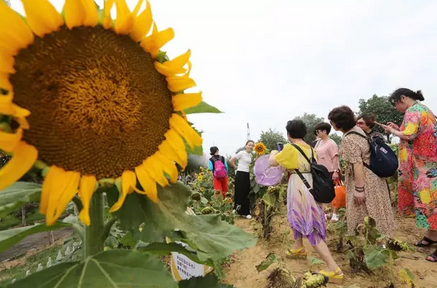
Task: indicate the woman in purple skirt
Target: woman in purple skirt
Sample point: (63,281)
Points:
(305,215)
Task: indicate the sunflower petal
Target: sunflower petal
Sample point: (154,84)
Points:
(179,83)
(6,62)
(142,24)
(64,186)
(14,33)
(175,66)
(86,191)
(23,122)
(137,8)
(125,19)
(41,16)
(148,184)
(47,188)
(23,158)
(8,141)
(155,169)
(107,20)
(128,183)
(185,101)
(169,167)
(175,155)
(184,129)
(4,81)
(6,105)
(178,146)
(80,13)
(154,42)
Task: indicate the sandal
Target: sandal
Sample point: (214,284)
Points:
(335,277)
(432,257)
(425,242)
(296,254)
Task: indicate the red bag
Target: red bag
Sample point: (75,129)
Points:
(340,195)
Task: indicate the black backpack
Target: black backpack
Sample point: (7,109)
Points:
(383,161)
(323,187)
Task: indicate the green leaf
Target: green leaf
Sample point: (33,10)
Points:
(203,107)
(10,237)
(17,195)
(315,261)
(209,281)
(114,268)
(270,199)
(196,150)
(270,259)
(212,238)
(375,257)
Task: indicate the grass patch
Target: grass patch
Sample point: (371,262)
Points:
(28,263)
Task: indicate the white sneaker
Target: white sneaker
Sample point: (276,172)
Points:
(249,217)
(334,218)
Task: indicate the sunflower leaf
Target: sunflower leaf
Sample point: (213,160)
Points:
(212,238)
(17,195)
(203,107)
(114,268)
(10,237)
(209,281)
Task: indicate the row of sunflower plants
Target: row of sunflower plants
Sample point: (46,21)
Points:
(205,200)
(368,250)
(110,133)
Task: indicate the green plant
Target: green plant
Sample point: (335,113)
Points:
(268,206)
(281,277)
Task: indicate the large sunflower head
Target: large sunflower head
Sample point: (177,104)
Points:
(91,100)
(260,148)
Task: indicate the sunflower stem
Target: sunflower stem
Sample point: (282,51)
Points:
(94,233)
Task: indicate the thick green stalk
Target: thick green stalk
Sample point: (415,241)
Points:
(93,243)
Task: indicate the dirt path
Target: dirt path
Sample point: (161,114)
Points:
(34,241)
(242,273)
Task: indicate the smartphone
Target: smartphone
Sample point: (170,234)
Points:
(280,146)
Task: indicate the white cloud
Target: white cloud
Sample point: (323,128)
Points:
(265,62)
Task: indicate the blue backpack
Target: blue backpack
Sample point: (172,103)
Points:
(383,161)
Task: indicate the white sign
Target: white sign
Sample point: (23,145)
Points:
(183,268)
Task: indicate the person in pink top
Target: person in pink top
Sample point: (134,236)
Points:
(327,155)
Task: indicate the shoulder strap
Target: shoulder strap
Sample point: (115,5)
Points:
(356,133)
(303,153)
(303,179)
(368,140)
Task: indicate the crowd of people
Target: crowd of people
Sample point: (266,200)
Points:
(367,193)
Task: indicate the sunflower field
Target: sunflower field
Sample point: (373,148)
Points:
(100,111)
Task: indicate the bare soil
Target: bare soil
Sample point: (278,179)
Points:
(243,274)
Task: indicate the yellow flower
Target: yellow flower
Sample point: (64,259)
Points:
(106,105)
(199,178)
(202,189)
(260,148)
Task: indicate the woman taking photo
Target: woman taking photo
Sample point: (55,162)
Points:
(242,179)
(219,167)
(417,186)
(327,155)
(305,216)
(367,194)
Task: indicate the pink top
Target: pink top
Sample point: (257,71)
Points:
(326,151)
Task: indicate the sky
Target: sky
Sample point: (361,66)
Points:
(266,62)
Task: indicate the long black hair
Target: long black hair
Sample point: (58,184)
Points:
(396,96)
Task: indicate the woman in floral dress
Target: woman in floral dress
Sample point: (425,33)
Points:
(367,194)
(417,186)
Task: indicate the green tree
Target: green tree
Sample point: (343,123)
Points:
(311,120)
(270,138)
(336,138)
(382,109)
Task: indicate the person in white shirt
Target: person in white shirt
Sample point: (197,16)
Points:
(242,179)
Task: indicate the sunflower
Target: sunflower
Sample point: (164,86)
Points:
(91,100)
(260,148)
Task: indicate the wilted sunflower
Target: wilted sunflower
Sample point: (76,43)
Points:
(260,148)
(92,99)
